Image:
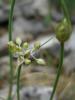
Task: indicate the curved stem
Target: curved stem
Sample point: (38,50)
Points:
(18,82)
(59,70)
(10,54)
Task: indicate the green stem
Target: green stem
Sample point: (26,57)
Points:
(59,70)
(11,78)
(47,18)
(66,12)
(11,19)
(10,54)
(18,82)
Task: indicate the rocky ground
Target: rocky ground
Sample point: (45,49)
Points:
(29,24)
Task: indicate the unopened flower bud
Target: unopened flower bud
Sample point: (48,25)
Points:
(63,31)
(27,61)
(27,53)
(40,61)
(11,44)
(18,49)
(25,45)
(18,41)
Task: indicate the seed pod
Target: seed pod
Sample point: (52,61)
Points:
(63,31)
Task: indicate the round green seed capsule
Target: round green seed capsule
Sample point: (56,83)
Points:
(63,31)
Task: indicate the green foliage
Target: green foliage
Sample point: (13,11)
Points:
(69,3)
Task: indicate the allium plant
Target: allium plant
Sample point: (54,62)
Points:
(63,32)
(23,52)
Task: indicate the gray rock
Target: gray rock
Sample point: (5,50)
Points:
(28,26)
(4,9)
(70,44)
(41,6)
(69,61)
(56,15)
(36,93)
(4,63)
(17,32)
(29,7)
(69,92)
(4,92)
(24,8)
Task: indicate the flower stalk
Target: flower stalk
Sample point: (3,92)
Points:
(63,32)
(18,81)
(59,70)
(10,54)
